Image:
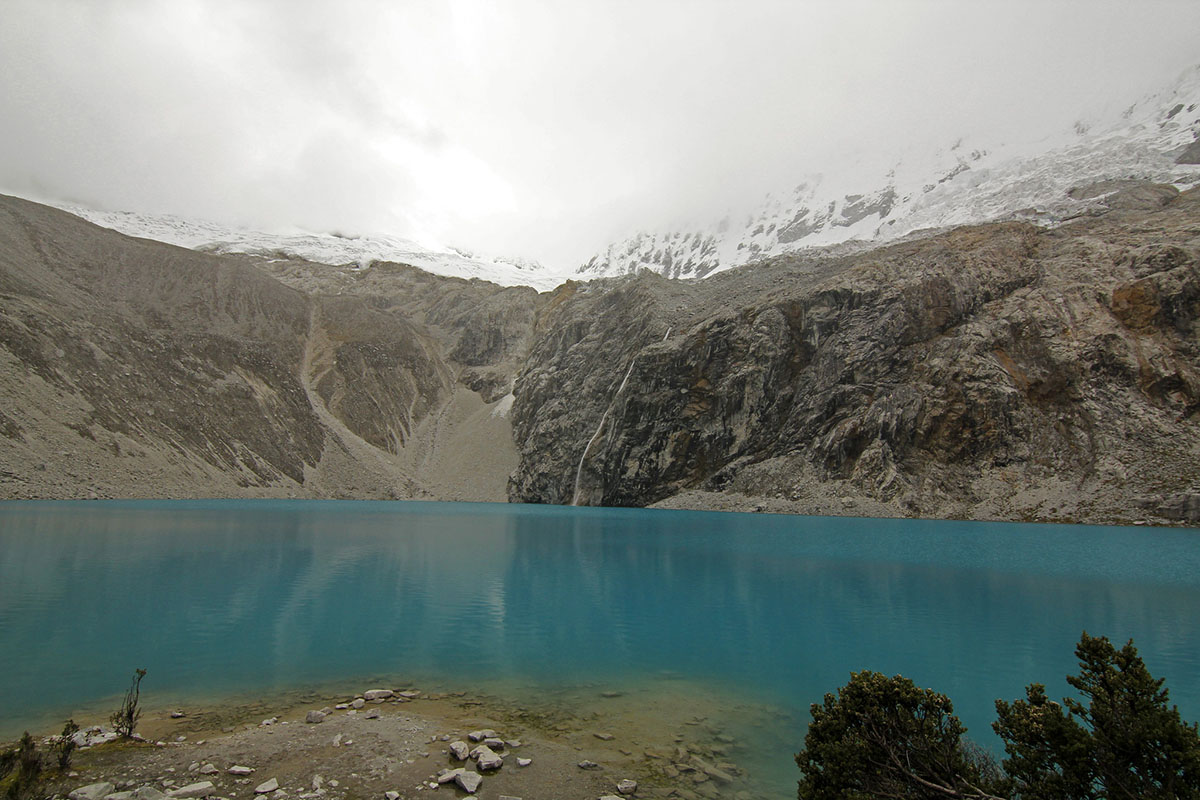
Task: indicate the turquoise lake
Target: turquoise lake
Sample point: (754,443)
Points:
(218,598)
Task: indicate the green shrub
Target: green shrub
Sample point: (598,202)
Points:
(125,718)
(1124,742)
(883,737)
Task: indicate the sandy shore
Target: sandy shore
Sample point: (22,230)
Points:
(673,744)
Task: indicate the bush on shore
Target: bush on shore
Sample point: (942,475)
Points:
(881,737)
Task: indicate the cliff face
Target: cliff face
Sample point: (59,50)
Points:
(996,371)
(999,370)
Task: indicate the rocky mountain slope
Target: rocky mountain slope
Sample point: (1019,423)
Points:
(996,371)
(134,368)
(999,371)
(969,181)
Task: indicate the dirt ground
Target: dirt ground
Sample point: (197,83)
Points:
(671,747)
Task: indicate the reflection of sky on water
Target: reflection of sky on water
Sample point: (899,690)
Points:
(233,596)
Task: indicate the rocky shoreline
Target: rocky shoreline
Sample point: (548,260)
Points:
(392,744)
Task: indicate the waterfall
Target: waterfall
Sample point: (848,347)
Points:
(600,427)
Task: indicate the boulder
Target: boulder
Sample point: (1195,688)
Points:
(524,762)
(238,769)
(487,759)
(460,750)
(479,736)
(468,781)
(267,786)
(358,702)
(208,769)
(627,786)
(201,789)
(377,694)
(148,793)
(93,791)
(494,742)
(314,717)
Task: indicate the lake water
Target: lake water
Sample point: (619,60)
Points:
(224,597)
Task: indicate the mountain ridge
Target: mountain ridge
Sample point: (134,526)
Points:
(965,183)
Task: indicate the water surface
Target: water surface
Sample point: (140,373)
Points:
(223,597)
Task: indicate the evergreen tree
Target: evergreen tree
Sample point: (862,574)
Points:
(1120,742)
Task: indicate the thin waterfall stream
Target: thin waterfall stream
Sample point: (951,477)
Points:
(600,427)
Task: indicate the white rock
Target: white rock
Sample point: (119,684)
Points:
(238,769)
(192,767)
(627,786)
(148,793)
(337,740)
(208,769)
(468,781)
(610,797)
(494,742)
(524,762)
(314,717)
(410,695)
(341,706)
(479,736)
(487,759)
(267,786)
(93,791)
(377,694)
(372,714)
(270,721)
(119,796)
(358,703)
(448,775)
(460,750)
(392,795)
(201,789)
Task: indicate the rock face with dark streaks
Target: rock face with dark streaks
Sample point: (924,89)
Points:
(1000,371)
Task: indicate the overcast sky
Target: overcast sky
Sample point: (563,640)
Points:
(543,128)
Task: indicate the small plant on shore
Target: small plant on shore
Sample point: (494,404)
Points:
(125,718)
(64,746)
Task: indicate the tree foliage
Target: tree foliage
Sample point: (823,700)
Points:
(884,737)
(1120,740)
(881,737)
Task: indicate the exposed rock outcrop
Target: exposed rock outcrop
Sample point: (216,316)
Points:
(1000,370)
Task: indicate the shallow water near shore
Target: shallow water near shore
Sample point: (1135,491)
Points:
(747,617)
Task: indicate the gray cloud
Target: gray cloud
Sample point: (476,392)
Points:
(527,127)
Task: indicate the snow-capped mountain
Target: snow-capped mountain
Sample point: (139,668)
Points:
(323,248)
(1155,139)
